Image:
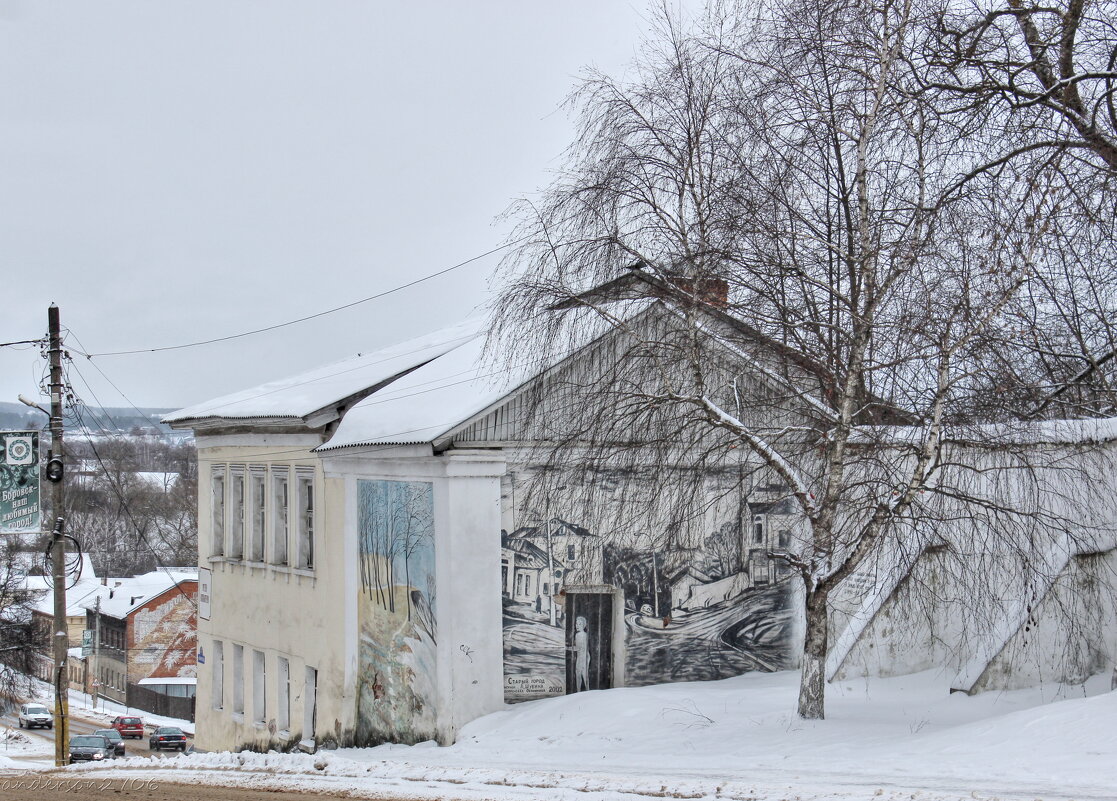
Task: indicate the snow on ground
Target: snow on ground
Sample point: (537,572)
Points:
(886,739)
(98,709)
(33,752)
(102,709)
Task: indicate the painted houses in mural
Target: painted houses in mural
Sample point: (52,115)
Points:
(387,553)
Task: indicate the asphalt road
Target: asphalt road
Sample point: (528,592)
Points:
(81,725)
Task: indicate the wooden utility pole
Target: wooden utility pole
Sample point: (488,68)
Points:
(61,639)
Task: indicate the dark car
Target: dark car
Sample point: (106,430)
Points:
(114,738)
(167,737)
(89,748)
(129,726)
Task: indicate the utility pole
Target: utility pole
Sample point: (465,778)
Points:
(58,544)
(97,652)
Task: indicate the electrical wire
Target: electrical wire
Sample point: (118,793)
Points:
(118,491)
(314,316)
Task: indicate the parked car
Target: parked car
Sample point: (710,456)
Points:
(129,726)
(32,715)
(167,737)
(114,738)
(89,748)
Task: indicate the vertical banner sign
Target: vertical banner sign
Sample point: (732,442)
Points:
(19,482)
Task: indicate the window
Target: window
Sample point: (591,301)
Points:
(238,679)
(236,522)
(218,486)
(258,485)
(306,522)
(759,567)
(283,714)
(758,529)
(217,682)
(279,516)
(310,702)
(570,552)
(785,538)
(259,687)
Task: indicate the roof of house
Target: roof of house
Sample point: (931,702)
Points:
(157,479)
(76,594)
(302,396)
(532,556)
(122,596)
(430,401)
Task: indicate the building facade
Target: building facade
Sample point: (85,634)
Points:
(378,561)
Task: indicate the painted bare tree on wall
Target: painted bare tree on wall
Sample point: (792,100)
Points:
(809,275)
(396,656)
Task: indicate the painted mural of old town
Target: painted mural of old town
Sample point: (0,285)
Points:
(396,680)
(705,605)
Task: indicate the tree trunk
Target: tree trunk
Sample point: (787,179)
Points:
(812,684)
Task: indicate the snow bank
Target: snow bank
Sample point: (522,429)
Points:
(905,737)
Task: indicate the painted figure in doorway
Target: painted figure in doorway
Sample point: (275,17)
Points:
(582,655)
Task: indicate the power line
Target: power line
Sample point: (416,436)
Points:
(350,305)
(112,384)
(124,502)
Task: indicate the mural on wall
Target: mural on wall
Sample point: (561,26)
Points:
(396,679)
(708,607)
(162,641)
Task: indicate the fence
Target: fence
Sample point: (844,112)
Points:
(170,706)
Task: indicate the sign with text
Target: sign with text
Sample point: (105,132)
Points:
(86,642)
(205,591)
(20,510)
(532,686)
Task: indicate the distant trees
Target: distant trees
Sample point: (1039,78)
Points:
(132,502)
(824,267)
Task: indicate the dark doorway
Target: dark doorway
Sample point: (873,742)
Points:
(589,641)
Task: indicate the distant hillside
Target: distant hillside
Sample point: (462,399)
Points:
(111,420)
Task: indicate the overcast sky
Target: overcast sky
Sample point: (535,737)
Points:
(182,171)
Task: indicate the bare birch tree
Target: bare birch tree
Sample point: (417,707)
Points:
(794,257)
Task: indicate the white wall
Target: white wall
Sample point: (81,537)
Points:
(281,611)
(467,512)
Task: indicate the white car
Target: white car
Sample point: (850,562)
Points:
(32,715)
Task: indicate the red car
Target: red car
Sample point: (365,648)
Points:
(129,726)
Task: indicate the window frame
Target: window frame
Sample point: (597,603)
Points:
(238,506)
(259,686)
(307,509)
(217,675)
(218,505)
(258,512)
(281,516)
(238,679)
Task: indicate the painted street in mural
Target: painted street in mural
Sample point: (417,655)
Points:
(396,682)
(688,614)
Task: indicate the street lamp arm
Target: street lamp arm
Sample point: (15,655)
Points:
(28,402)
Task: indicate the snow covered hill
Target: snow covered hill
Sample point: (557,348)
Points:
(904,737)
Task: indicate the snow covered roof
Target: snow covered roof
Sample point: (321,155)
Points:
(187,680)
(75,596)
(158,480)
(429,402)
(1030,432)
(302,395)
(121,596)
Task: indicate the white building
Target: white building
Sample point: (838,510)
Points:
(370,573)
